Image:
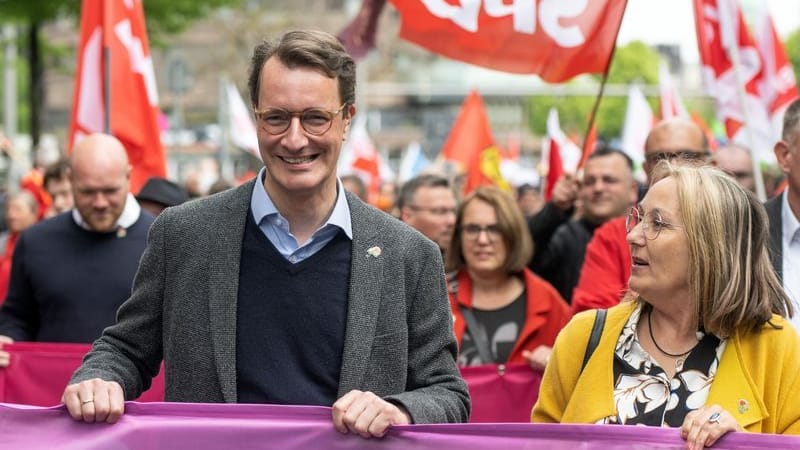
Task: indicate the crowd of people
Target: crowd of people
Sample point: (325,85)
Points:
(668,304)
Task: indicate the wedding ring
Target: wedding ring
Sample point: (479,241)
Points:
(714,418)
(87,401)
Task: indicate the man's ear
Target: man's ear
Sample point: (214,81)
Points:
(783,154)
(405,214)
(348,119)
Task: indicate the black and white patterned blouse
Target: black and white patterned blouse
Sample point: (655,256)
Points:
(643,392)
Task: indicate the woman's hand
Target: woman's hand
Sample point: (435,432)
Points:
(703,427)
(538,357)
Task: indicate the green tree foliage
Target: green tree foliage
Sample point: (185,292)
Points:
(163,17)
(792,45)
(633,63)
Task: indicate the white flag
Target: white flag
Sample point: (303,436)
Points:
(638,123)
(241,128)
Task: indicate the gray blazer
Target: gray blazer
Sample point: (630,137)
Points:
(775,247)
(399,340)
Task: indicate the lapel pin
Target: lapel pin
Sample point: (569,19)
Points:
(374,251)
(121,232)
(743,407)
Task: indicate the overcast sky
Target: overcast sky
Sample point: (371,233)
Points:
(672,21)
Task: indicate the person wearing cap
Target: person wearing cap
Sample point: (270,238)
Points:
(159,193)
(71,272)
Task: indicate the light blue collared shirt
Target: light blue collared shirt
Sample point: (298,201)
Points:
(276,228)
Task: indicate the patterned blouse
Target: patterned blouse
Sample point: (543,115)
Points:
(643,392)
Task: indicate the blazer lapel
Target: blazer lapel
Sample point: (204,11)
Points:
(366,275)
(223,287)
(774,210)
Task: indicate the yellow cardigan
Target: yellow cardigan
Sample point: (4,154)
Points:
(757,380)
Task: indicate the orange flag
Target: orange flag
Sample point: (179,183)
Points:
(116,27)
(471,146)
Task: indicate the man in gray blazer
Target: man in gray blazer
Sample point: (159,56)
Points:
(286,289)
(784,211)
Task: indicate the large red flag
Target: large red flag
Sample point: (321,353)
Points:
(722,36)
(552,38)
(778,86)
(470,145)
(118,26)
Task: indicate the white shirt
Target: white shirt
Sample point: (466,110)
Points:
(129,216)
(791,257)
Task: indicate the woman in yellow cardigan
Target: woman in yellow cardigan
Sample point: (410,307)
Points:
(702,344)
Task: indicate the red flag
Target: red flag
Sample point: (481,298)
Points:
(554,39)
(555,169)
(360,154)
(470,145)
(721,34)
(778,87)
(118,25)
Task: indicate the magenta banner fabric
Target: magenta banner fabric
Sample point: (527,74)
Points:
(502,393)
(230,426)
(39,372)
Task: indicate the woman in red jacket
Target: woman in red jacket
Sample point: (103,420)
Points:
(502,312)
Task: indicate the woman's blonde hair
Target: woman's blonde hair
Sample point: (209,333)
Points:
(730,273)
(512,227)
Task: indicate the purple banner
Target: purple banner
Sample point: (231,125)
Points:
(215,426)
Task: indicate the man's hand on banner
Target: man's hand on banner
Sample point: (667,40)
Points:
(95,400)
(367,414)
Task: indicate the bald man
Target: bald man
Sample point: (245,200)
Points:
(736,161)
(71,272)
(607,263)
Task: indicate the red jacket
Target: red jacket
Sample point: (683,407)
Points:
(606,268)
(546,313)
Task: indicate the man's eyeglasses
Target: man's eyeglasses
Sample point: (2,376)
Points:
(652,223)
(316,121)
(682,155)
(441,211)
(473,231)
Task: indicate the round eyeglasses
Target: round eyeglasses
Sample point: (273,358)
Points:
(472,231)
(652,223)
(315,121)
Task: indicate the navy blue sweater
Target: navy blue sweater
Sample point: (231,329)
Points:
(67,283)
(290,322)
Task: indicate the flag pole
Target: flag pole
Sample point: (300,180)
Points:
(224,119)
(740,91)
(106,66)
(596,107)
